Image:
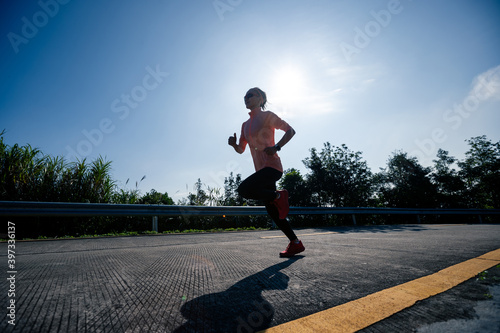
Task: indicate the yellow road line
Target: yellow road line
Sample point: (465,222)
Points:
(366,311)
(313,234)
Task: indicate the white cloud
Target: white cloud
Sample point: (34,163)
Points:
(486,85)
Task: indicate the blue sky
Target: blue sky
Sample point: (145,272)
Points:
(157,86)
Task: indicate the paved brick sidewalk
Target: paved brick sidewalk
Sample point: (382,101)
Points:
(225,282)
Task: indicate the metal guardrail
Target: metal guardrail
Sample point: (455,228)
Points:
(27,208)
(23,208)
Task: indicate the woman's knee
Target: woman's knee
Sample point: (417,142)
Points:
(243,190)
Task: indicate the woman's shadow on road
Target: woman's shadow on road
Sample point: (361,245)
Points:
(241,308)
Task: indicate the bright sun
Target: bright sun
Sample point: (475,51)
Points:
(288,85)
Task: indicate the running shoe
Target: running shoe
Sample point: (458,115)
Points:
(292,249)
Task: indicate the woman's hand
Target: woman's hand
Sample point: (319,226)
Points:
(271,150)
(232,140)
(274,149)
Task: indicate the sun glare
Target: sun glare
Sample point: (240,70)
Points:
(288,85)
(291,92)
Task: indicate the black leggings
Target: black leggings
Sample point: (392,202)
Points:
(262,186)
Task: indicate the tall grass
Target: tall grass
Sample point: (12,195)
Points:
(28,175)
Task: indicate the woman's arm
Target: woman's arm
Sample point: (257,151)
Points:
(287,137)
(284,140)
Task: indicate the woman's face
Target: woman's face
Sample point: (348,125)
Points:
(252,99)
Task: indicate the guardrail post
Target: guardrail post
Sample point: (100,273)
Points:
(155,223)
(354,219)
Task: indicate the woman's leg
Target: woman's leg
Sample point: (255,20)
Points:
(295,246)
(283,224)
(262,186)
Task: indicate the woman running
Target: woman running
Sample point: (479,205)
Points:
(258,133)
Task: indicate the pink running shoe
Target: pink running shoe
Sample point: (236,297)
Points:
(282,204)
(292,249)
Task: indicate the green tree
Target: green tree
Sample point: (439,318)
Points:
(481,172)
(450,187)
(404,183)
(296,185)
(231,196)
(156,198)
(339,177)
(200,197)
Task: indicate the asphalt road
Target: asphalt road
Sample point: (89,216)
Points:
(236,282)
